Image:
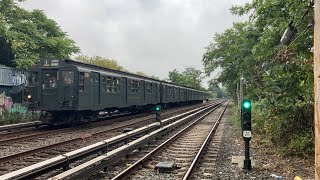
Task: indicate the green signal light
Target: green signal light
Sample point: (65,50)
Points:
(246,104)
(157,108)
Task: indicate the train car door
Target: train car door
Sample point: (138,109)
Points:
(49,88)
(143,92)
(67,84)
(123,91)
(96,87)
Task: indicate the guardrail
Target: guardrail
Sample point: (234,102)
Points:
(63,160)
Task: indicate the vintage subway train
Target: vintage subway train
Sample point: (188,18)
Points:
(69,91)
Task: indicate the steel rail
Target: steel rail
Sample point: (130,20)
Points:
(204,145)
(40,149)
(53,132)
(15,139)
(62,160)
(85,169)
(39,134)
(130,169)
(21,125)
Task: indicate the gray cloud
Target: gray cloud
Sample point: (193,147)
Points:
(143,35)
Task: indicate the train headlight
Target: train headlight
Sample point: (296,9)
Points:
(29,96)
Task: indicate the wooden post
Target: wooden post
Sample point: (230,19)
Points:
(238,95)
(241,88)
(316,87)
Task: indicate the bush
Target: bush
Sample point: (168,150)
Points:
(287,126)
(301,145)
(235,118)
(15,117)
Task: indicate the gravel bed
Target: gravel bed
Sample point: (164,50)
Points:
(82,131)
(267,163)
(170,155)
(124,162)
(76,132)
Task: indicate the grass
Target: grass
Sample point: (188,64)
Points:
(235,117)
(13,118)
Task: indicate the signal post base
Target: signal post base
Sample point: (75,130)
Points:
(239,161)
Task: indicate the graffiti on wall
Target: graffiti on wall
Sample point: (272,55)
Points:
(7,105)
(12,77)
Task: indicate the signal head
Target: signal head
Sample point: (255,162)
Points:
(158,108)
(246,104)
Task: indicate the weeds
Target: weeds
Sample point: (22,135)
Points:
(15,117)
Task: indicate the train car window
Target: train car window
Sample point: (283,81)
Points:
(33,78)
(81,81)
(169,90)
(134,86)
(108,84)
(114,86)
(103,83)
(50,80)
(149,88)
(131,86)
(68,77)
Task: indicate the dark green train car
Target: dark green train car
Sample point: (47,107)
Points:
(70,91)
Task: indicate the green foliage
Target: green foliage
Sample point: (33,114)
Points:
(235,117)
(100,61)
(278,79)
(216,91)
(190,77)
(154,77)
(13,118)
(26,36)
(301,144)
(107,63)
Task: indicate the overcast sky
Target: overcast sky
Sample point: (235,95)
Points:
(153,36)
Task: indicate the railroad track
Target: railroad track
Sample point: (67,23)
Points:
(10,136)
(15,130)
(86,169)
(180,154)
(14,137)
(25,158)
(20,125)
(23,131)
(20,149)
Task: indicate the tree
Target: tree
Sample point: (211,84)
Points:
(277,78)
(26,36)
(190,77)
(215,89)
(140,73)
(100,61)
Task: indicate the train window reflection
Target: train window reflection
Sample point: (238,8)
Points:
(68,77)
(49,79)
(33,78)
(81,81)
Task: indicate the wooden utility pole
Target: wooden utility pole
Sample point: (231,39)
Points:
(316,56)
(241,88)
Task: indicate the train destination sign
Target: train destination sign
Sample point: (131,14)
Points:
(51,63)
